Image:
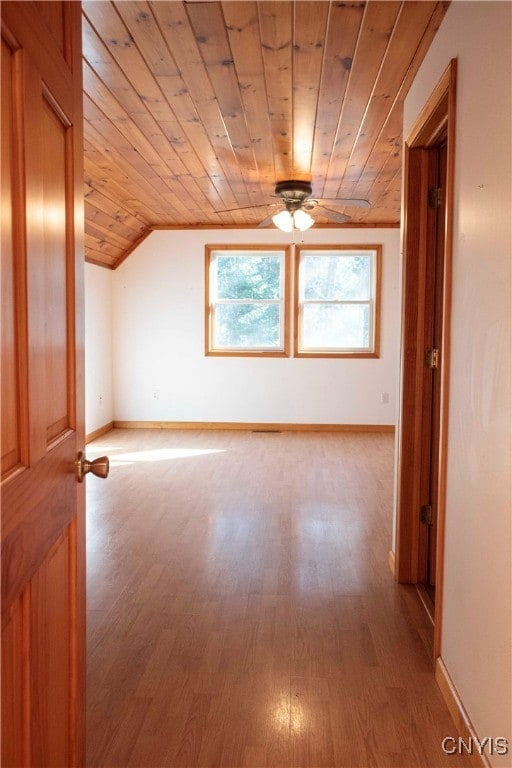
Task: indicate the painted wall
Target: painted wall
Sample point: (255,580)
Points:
(98,347)
(476,638)
(162,374)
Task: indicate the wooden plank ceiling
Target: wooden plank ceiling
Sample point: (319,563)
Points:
(194,108)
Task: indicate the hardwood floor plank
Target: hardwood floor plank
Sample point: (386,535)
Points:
(241,609)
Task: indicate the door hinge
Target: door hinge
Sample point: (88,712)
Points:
(434,197)
(431,358)
(426,514)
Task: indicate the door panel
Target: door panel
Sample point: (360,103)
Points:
(56,294)
(50,654)
(36,502)
(10,413)
(43,560)
(15,695)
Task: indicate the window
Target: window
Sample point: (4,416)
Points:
(246,300)
(337,301)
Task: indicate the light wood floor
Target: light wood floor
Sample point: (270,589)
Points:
(241,612)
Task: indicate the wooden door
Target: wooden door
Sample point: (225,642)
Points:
(435,160)
(43,564)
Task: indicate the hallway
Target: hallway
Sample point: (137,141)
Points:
(241,611)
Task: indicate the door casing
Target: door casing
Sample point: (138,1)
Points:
(435,121)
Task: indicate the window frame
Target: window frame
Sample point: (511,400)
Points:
(210,303)
(373,351)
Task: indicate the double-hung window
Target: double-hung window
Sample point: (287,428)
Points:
(337,301)
(246,300)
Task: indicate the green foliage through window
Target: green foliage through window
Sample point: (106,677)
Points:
(248,277)
(337,300)
(246,301)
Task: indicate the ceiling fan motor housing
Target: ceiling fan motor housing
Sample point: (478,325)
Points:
(294,193)
(293,190)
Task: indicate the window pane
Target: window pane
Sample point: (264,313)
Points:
(334,276)
(247,325)
(248,277)
(336,326)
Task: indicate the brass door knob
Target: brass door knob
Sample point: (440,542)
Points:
(98,467)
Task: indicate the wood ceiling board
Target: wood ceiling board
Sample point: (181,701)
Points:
(116,230)
(125,194)
(108,72)
(174,24)
(145,31)
(114,113)
(309,33)
(210,31)
(109,140)
(119,172)
(386,188)
(114,210)
(410,25)
(375,33)
(194,110)
(123,49)
(386,155)
(111,239)
(276,45)
(99,250)
(343,31)
(242,22)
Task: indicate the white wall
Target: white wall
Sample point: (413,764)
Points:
(162,374)
(476,641)
(98,347)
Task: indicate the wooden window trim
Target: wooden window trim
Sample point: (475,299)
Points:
(257,353)
(299,249)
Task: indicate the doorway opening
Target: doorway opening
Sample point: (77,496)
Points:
(427,255)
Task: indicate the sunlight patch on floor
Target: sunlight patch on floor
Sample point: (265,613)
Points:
(161,454)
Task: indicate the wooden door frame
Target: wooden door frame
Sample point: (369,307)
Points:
(436,120)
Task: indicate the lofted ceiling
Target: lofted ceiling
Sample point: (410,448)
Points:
(196,108)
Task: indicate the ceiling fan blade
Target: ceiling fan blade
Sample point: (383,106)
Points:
(266,222)
(340,218)
(247,207)
(355,201)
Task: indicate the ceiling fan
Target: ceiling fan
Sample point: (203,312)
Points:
(296,198)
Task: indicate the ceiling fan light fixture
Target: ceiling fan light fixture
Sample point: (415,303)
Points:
(302,220)
(283,221)
(287,221)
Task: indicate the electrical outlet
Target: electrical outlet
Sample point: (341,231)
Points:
(156,394)
(384,398)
